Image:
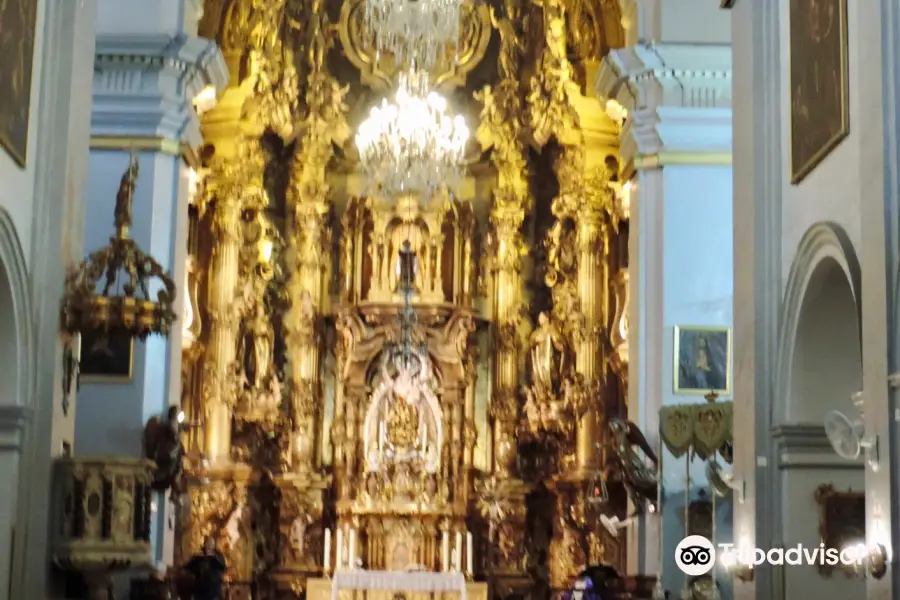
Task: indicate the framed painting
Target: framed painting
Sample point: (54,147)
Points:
(842,520)
(820,115)
(16,67)
(106,359)
(702,360)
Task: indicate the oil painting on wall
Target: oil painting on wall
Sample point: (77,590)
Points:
(819,82)
(702,360)
(17,37)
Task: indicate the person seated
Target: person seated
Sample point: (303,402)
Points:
(208,569)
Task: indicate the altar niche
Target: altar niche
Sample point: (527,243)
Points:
(403,457)
(402,433)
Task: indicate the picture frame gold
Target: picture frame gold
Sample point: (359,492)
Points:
(106,360)
(17,45)
(694,374)
(842,521)
(820,87)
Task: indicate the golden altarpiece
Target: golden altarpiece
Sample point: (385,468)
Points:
(302,439)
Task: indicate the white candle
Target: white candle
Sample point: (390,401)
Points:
(459,549)
(352,563)
(339,562)
(326,560)
(469,553)
(445,552)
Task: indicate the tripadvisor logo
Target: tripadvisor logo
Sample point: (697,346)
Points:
(695,555)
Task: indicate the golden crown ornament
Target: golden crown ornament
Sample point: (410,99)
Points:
(109,293)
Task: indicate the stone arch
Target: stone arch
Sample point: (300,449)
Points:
(16,339)
(820,317)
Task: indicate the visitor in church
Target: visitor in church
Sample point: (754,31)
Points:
(208,569)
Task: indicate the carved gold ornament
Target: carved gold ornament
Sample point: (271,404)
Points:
(450,67)
(123,274)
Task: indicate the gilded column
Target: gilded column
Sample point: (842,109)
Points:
(230,187)
(501,130)
(321,125)
(592,225)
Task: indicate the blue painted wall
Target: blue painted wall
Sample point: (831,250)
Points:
(698,290)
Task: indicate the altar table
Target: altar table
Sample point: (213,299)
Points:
(386,585)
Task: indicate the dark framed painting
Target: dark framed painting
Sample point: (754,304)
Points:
(702,360)
(820,114)
(106,359)
(16,68)
(842,521)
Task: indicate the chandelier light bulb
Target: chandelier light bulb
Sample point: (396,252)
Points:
(416,32)
(411,145)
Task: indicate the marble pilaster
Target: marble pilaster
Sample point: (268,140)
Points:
(676,141)
(145,81)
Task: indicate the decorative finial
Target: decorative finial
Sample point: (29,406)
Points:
(125,196)
(711,396)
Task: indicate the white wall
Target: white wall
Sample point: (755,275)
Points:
(788,379)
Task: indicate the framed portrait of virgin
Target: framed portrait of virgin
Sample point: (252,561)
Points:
(819,92)
(702,360)
(18,18)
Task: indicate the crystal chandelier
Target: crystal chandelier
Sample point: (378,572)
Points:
(417,32)
(412,145)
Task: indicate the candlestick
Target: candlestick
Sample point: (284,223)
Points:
(326,560)
(469,553)
(458,563)
(352,563)
(445,552)
(339,562)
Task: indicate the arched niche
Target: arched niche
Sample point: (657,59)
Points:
(820,354)
(820,367)
(15,322)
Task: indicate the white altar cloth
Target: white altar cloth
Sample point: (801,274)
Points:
(398,581)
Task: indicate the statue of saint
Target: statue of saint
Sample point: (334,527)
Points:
(547,354)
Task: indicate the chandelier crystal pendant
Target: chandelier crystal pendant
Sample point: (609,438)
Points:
(412,145)
(416,32)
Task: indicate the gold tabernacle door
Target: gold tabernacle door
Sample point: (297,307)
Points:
(320,589)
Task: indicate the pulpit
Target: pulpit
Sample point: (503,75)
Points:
(395,585)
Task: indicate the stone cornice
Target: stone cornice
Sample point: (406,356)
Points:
(144,85)
(12,426)
(678,97)
(652,75)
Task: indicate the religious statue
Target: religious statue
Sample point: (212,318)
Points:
(548,350)
(402,423)
(162,444)
(640,481)
(259,339)
(125,194)
(512,46)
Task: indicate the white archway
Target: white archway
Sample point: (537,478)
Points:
(819,368)
(819,327)
(15,323)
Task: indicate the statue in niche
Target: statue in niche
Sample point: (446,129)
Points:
(548,355)
(403,421)
(259,338)
(412,234)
